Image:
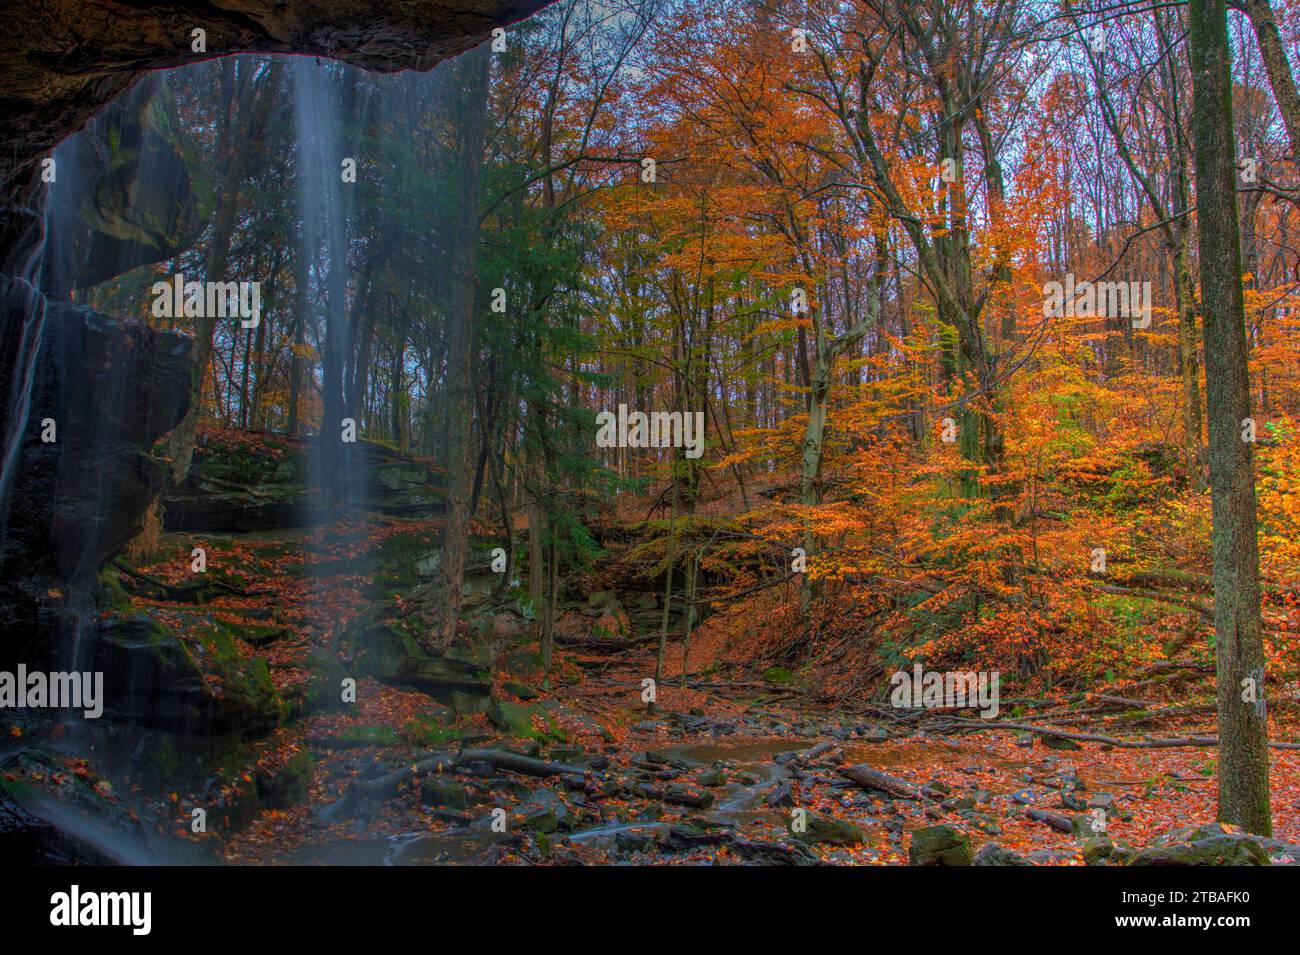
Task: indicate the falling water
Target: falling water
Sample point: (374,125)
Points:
(325,247)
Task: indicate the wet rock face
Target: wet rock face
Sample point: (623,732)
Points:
(152,680)
(68,59)
(274,482)
(128,193)
(105,390)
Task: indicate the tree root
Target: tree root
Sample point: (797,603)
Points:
(185,593)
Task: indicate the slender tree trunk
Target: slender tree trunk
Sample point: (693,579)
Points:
(688,621)
(1239,648)
(507,526)
(231,153)
(300,300)
(1189,363)
(460,350)
(1280,75)
(548,616)
(810,483)
(663,630)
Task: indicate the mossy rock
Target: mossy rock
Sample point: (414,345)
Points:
(68,822)
(825,830)
(713,778)
(152,678)
(542,820)
(324,690)
(992,854)
(443,793)
(513,718)
(1223,849)
(286,786)
(778,676)
(457,677)
(429,733)
(358,736)
(939,846)
(521,690)
(238,485)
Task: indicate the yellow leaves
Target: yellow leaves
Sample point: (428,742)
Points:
(778,325)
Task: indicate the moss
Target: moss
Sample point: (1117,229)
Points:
(517,719)
(246,679)
(254,634)
(113,596)
(288,785)
(779,676)
(368,736)
(429,733)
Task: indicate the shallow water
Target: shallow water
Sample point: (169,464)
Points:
(737,804)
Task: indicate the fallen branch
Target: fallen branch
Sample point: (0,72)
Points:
(1059,823)
(519,763)
(604,644)
(387,786)
(1167,743)
(1206,612)
(748,685)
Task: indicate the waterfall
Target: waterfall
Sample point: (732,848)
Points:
(325,250)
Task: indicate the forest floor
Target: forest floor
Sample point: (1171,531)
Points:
(584,773)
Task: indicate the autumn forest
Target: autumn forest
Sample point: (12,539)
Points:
(661,432)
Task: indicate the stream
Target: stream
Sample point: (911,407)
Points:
(754,767)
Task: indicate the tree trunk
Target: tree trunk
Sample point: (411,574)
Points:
(1280,76)
(688,620)
(1189,363)
(548,615)
(663,630)
(460,349)
(810,482)
(237,135)
(1239,648)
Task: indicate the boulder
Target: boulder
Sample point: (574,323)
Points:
(324,689)
(546,812)
(939,846)
(825,830)
(993,854)
(131,191)
(457,677)
(154,679)
(49,816)
(1223,848)
(109,389)
(443,793)
(513,718)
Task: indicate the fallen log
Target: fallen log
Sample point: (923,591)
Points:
(1167,743)
(1123,701)
(519,763)
(748,685)
(386,786)
(1059,823)
(869,778)
(604,644)
(821,749)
